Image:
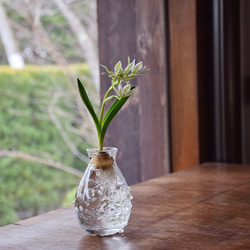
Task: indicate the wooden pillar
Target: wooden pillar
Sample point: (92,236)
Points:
(151,49)
(183,84)
(136,28)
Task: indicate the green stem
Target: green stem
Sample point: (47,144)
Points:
(104,103)
(100,143)
(101,138)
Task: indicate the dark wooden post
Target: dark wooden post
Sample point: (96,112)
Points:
(245,78)
(136,28)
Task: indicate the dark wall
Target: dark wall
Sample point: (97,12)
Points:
(245,77)
(219,82)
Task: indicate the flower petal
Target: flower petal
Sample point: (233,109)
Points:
(126,88)
(120,90)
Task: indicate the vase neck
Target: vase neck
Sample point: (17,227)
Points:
(111,151)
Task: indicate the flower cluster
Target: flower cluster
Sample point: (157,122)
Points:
(130,72)
(121,75)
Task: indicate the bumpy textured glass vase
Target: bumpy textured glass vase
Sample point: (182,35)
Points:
(103,201)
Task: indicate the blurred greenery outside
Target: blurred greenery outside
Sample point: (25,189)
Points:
(44,36)
(28,188)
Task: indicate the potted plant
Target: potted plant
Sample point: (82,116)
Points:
(103,201)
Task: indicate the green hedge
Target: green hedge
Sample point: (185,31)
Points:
(26,187)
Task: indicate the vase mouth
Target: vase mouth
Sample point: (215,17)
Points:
(111,151)
(105,150)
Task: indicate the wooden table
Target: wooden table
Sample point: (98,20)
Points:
(205,207)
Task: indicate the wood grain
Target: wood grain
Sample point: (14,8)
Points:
(205,207)
(151,47)
(183,84)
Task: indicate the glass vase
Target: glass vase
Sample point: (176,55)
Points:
(103,201)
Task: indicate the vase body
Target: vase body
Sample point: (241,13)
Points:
(103,201)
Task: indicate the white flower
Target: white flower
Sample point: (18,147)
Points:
(130,72)
(125,91)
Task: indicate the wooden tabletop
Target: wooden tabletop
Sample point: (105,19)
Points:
(205,207)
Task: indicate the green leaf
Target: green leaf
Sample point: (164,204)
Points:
(112,111)
(88,105)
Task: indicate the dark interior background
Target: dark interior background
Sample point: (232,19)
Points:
(194,105)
